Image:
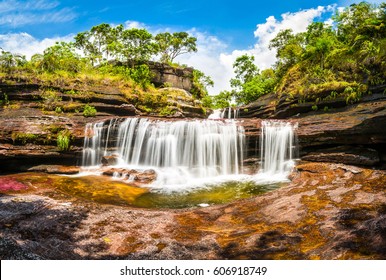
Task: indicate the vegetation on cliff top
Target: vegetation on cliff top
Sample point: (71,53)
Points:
(341,58)
(106,56)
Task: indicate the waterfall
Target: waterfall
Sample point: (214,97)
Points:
(189,152)
(277,148)
(227,113)
(179,151)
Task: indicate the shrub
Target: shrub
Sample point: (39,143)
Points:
(24,137)
(58,110)
(89,111)
(63,140)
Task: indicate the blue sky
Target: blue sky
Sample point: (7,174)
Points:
(225,29)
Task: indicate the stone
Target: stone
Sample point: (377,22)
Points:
(345,154)
(55,169)
(110,160)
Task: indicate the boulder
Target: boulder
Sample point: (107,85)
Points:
(110,160)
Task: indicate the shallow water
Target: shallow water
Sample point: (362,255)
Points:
(103,189)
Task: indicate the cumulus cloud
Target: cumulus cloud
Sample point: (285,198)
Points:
(207,59)
(20,13)
(24,43)
(265,32)
(134,24)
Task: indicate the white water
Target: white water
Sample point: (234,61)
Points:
(187,154)
(224,113)
(277,148)
(181,152)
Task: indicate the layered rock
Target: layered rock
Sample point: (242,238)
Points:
(354,134)
(328,211)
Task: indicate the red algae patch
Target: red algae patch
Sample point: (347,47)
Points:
(10,184)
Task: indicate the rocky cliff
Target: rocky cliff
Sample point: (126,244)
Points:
(34,113)
(30,122)
(351,134)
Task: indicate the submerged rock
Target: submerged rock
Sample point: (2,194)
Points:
(142,177)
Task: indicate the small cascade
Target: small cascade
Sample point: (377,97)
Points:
(227,113)
(178,151)
(217,114)
(277,148)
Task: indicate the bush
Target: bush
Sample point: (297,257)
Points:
(63,140)
(24,137)
(89,111)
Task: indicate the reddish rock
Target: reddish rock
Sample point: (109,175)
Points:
(109,160)
(9,184)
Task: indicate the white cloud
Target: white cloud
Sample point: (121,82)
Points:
(13,5)
(20,13)
(134,24)
(24,43)
(208,60)
(265,32)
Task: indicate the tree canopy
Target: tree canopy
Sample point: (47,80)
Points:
(346,56)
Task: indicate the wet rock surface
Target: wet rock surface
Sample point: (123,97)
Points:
(328,211)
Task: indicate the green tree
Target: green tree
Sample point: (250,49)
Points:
(10,61)
(222,100)
(320,40)
(172,45)
(245,69)
(248,83)
(136,45)
(99,43)
(200,84)
(289,49)
(61,56)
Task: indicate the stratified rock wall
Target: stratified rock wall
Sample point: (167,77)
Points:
(166,75)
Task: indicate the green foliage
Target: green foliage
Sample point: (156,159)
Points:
(222,100)
(58,110)
(135,45)
(23,138)
(167,111)
(5,100)
(207,101)
(314,107)
(249,84)
(170,46)
(9,61)
(141,75)
(63,140)
(89,111)
(50,95)
(200,84)
(343,58)
(61,56)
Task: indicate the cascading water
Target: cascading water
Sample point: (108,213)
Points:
(277,148)
(180,151)
(227,113)
(189,153)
